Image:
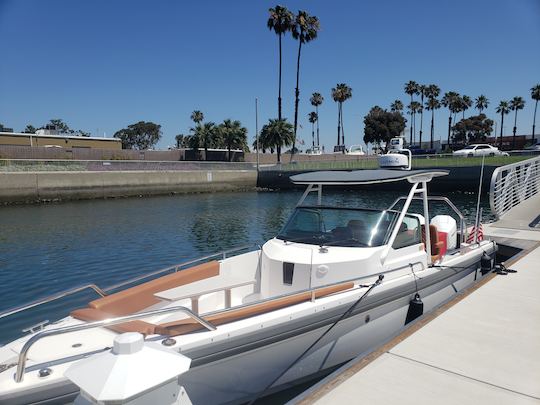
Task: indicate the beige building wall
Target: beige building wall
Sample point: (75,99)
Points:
(61,141)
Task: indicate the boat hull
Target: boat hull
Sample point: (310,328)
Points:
(237,370)
(240,377)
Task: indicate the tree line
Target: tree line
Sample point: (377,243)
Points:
(230,134)
(58,124)
(473,129)
(381,125)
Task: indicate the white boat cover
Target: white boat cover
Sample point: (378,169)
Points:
(337,177)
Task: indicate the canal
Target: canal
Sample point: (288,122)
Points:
(48,248)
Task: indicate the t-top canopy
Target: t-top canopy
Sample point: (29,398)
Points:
(337,177)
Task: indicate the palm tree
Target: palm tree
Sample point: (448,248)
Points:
(204,135)
(432,104)
(179,140)
(280,21)
(449,101)
(340,94)
(422,89)
(432,92)
(304,29)
(316,100)
(414,108)
(535,95)
(197,116)
(503,109)
(313,118)
(481,103)
(396,106)
(275,134)
(517,103)
(233,134)
(411,88)
(465,104)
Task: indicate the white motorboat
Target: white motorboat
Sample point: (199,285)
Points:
(335,283)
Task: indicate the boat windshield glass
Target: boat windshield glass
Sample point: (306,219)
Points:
(330,226)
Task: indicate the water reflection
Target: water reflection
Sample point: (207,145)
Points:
(215,233)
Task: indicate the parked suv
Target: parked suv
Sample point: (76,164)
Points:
(482,149)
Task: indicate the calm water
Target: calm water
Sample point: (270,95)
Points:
(48,248)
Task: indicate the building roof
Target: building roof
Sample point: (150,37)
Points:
(63,136)
(337,177)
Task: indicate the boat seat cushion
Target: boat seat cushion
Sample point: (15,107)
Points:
(91,314)
(188,325)
(436,244)
(137,298)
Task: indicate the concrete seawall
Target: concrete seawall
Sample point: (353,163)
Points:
(43,186)
(459,179)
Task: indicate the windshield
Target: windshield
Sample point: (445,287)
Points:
(338,226)
(470,147)
(356,148)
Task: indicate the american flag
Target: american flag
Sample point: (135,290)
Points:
(479,232)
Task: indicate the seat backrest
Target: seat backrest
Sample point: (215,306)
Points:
(433,238)
(183,326)
(137,298)
(358,228)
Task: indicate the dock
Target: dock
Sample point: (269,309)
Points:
(482,347)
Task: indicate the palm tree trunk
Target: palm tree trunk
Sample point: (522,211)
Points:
(432,128)
(338,123)
(500,138)
(414,127)
(317,112)
(229,149)
(421,119)
(279,91)
(342,130)
(296,95)
(278,150)
(534,120)
(514,131)
(312,135)
(411,137)
(449,129)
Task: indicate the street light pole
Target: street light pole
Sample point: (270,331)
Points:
(257,129)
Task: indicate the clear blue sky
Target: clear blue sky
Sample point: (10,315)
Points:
(106,64)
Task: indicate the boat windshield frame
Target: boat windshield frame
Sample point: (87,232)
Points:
(352,242)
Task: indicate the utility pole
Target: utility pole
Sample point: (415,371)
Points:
(257,130)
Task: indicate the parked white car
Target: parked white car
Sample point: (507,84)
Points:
(315,150)
(356,150)
(482,149)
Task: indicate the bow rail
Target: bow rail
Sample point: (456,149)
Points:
(103,291)
(23,355)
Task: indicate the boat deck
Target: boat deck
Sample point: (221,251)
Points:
(480,348)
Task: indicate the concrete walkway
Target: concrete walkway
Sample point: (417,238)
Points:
(521,216)
(485,349)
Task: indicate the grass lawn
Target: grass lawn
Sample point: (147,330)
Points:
(418,163)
